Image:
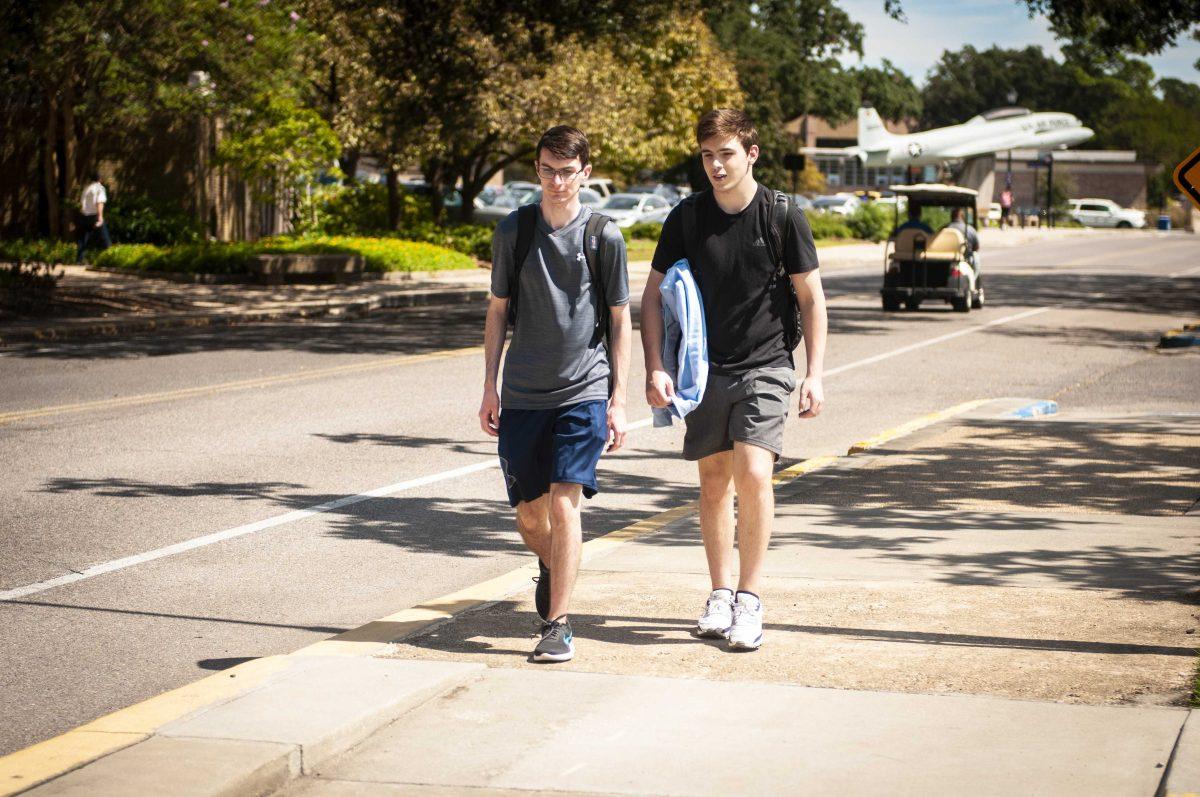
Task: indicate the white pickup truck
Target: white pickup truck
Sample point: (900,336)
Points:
(1105,213)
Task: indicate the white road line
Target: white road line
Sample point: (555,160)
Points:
(239,531)
(934,341)
(392,489)
(1184,273)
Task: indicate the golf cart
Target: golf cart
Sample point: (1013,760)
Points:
(919,266)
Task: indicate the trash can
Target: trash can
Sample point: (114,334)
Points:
(1164,222)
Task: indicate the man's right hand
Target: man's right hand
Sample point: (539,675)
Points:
(659,389)
(489,412)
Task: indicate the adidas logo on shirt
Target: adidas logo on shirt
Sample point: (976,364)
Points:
(760,242)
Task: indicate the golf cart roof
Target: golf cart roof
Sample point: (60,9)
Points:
(937,194)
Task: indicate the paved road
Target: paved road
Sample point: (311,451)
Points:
(119,449)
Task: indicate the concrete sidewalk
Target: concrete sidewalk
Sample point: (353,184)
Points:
(989,605)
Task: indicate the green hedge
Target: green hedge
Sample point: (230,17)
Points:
(828,225)
(646,230)
(379,254)
(37,251)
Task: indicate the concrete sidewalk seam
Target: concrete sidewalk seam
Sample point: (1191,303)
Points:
(376,637)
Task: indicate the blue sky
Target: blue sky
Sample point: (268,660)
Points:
(938,25)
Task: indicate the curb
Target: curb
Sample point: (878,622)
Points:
(1034,410)
(1189,335)
(98,328)
(112,744)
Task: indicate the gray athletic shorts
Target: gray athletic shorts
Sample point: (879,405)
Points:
(748,408)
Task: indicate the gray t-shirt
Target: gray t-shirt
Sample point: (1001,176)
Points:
(554,359)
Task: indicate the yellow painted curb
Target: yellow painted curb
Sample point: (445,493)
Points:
(78,747)
(243,384)
(912,426)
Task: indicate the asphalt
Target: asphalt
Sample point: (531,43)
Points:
(939,620)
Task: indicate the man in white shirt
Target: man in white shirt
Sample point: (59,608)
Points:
(91,206)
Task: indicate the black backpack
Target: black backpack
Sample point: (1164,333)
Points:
(793,329)
(594,250)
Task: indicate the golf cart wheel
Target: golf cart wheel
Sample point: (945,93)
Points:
(977,302)
(912,303)
(962,302)
(890,304)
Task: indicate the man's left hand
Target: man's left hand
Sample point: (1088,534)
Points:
(617,427)
(812,397)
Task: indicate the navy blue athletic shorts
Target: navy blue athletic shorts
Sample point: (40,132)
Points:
(540,447)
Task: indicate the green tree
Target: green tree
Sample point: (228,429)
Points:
(471,85)
(888,90)
(786,53)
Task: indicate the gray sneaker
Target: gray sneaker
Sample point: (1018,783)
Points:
(558,642)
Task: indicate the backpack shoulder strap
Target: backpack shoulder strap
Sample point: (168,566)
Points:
(780,209)
(689,217)
(594,248)
(526,226)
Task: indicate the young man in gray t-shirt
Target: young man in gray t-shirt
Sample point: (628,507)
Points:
(563,397)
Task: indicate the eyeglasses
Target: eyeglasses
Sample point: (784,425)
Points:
(548,174)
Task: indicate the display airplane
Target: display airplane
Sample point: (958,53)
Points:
(994,131)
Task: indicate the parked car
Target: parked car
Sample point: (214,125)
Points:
(601,185)
(1105,213)
(505,203)
(838,204)
(628,209)
(801,201)
(667,192)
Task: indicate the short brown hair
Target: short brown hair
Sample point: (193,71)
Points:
(565,142)
(727,123)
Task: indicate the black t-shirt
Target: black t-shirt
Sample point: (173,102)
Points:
(745,302)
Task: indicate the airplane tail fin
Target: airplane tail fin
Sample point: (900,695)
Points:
(871,132)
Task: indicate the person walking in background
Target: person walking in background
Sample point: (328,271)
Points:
(561,270)
(1006,200)
(753,257)
(91,222)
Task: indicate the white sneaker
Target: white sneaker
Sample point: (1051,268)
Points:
(746,632)
(718,615)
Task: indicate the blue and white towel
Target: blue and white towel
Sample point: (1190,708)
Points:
(685,342)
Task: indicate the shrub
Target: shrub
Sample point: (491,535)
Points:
(470,239)
(646,230)
(37,251)
(871,222)
(828,225)
(137,219)
(379,254)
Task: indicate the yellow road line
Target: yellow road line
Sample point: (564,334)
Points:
(912,426)
(41,762)
(243,384)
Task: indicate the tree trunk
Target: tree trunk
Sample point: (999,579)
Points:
(393,195)
(49,170)
(475,177)
(348,163)
(70,151)
(435,178)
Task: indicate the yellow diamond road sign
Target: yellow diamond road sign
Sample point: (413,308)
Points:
(1187,177)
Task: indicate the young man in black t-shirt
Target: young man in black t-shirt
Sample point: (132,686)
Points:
(736,433)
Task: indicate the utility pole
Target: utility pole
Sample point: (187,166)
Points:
(1050,188)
